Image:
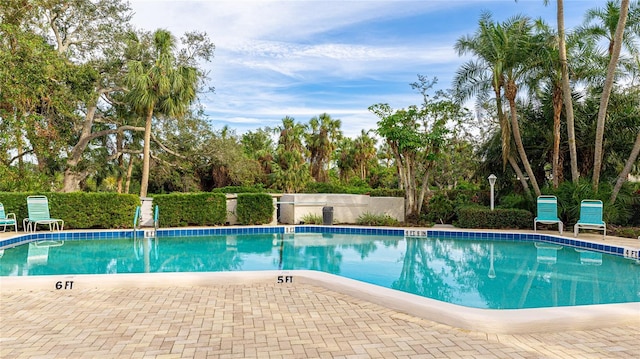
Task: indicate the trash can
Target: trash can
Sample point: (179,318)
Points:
(327,216)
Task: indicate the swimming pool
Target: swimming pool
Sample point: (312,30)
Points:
(478,270)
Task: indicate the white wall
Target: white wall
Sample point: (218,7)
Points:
(346,207)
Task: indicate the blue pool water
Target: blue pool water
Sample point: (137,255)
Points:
(471,272)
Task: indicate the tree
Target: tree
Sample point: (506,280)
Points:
(40,96)
(520,51)
(364,153)
(502,51)
(567,98)
(630,111)
(321,143)
(606,92)
(549,74)
(566,93)
(90,34)
(159,85)
(355,157)
(290,170)
(601,23)
(345,158)
(415,136)
(259,146)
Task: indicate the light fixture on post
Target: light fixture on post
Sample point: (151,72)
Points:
(492,182)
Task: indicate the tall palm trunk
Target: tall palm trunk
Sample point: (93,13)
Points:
(510,92)
(606,93)
(555,160)
(520,175)
(566,93)
(146,151)
(505,128)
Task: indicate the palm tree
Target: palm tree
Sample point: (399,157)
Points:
(606,91)
(521,50)
(158,84)
(344,156)
(365,152)
(548,77)
(502,51)
(601,23)
(321,143)
(290,172)
(566,93)
(478,78)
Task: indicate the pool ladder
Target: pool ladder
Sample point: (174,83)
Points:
(138,221)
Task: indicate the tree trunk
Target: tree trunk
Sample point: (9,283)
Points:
(72,179)
(424,189)
(523,181)
(555,160)
(510,93)
(120,161)
(566,93)
(146,152)
(622,177)
(606,93)
(505,128)
(127,184)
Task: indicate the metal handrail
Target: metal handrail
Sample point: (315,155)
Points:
(156,217)
(136,222)
(136,218)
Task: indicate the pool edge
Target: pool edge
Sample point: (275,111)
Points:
(509,321)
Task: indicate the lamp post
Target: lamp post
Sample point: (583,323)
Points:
(492,182)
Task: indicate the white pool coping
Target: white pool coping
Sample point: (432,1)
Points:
(505,321)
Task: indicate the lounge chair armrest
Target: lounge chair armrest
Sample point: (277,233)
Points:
(11,214)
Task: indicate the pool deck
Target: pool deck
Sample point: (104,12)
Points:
(173,318)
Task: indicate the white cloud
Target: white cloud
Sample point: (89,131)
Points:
(303,58)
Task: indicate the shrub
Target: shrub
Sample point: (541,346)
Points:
(321,187)
(311,218)
(239,189)
(440,209)
(254,208)
(483,217)
(442,206)
(625,232)
(386,192)
(514,200)
(621,213)
(191,209)
(372,219)
(79,210)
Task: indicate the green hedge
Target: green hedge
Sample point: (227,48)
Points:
(386,192)
(239,189)
(254,208)
(321,187)
(483,217)
(79,210)
(199,209)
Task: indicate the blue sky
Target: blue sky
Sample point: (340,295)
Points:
(303,58)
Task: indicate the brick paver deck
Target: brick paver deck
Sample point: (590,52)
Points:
(261,321)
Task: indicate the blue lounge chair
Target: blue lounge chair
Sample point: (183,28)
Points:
(547,212)
(590,217)
(7,219)
(38,208)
